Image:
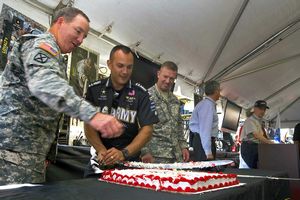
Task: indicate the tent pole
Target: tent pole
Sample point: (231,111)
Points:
(274,39)
(274,64)
(225,40)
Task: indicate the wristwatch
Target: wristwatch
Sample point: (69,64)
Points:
(125,153)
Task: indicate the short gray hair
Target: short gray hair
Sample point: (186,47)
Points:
(170,65)
(69,13)
(211,87)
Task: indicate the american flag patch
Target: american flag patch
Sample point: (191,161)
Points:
(131,93)
(48,48)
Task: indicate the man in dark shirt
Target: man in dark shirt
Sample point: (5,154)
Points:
(296,136)
(127,101)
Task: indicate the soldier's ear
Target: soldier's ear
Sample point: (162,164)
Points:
(109,62)
(60,20)
(158,73)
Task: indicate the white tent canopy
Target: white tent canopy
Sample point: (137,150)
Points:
(251,46)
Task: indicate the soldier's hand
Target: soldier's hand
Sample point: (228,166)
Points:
(100,156)
(147,158)
(185,155)
(47,163)
(107,125)
(113,156)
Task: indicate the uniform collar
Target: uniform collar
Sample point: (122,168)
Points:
(109,84)
(210,99)
(164,95)
(50,35)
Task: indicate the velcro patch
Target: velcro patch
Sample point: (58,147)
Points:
(48,48)
(41,58)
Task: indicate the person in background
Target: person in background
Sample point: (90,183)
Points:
(127,101)
(227,138)
(296,136)
(253,134)
(34,91)
(204,123)
(168,144)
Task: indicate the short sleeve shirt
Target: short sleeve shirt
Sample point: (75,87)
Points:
(251,125)
(131,105)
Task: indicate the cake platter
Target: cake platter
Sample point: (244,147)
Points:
(183,165)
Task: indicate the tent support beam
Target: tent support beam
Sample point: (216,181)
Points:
(41,6)
(284,60)
(283,88)
(288,106)
(274,39)
(226,38)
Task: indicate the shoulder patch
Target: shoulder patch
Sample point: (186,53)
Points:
(95,83)
(48,48)
(140,86)
(41,58)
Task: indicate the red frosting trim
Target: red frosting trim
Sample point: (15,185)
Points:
(113,176)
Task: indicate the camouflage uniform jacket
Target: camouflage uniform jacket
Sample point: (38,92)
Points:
(33,91)
(167,139)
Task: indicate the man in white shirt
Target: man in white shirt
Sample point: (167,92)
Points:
(204,123)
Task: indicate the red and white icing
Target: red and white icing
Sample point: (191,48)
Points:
(170,180)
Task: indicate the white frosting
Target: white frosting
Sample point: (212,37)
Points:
(187,165)
(164,179)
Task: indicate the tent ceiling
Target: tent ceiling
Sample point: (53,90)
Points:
(205,37)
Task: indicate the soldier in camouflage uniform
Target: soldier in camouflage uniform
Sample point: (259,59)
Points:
(34,90)
(167,144)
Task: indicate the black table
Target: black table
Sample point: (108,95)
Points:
(65,182)
(255,189)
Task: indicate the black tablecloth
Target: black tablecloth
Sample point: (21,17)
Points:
(255,189)
(70,163)
(65,182)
